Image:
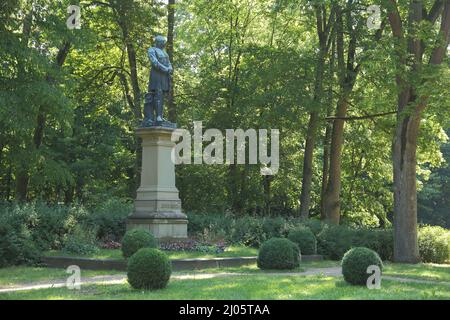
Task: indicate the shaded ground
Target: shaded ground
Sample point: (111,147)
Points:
(121,278)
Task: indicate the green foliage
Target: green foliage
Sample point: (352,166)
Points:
(51,224)
(379,240)
(305,240)
(434,244)
(149,269)
(278,253)
(137,239)
(314,225)
(16,244)
(355,263)
(334,241)
(247,230)
(434,196)
(81,241)
(110,219)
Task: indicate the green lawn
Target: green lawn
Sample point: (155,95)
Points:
(246,287)
(426,271)
(233,251)
(21,274)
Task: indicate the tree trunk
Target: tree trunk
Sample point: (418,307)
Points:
(327,137)
(331,201)
(305,196)
(267,180)
(323,32)
(405,195)
(407,129)
(347,77)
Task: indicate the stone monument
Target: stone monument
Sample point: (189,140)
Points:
(157,207)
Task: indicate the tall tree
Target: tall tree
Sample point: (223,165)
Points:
(324,23)
(413,74)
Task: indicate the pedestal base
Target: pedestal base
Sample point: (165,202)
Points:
(173,229)
(157,207)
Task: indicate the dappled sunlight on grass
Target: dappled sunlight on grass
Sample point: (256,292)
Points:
(426,271)
(247,287)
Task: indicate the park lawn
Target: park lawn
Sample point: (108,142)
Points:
(232,251)
(245,287)
(424,271)
(28,275)
(253,268)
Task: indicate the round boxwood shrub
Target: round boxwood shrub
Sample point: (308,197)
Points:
(136,239)
(434,244)
(355,263)
(149,268)
(278,253)
(305,240)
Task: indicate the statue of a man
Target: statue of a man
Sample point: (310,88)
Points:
(159,83)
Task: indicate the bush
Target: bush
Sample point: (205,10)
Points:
(314,225)
(335,241)
(16,244)
(305,240)
(137,239)
(278,253)
(149,268)
(277,227)
(110,219)
(434,244)
(379,240)
(355,263)
(52,224)
(81,241)
(247,231)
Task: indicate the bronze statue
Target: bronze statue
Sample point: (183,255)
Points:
(158,85)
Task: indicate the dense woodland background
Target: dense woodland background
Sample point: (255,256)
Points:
(71,99)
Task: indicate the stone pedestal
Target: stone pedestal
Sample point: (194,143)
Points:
(157,207)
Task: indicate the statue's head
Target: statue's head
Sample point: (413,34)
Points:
(160,42)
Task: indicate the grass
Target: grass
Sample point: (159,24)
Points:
(424,271)
(255,285)
(245,287)
(20,274)
(232,251)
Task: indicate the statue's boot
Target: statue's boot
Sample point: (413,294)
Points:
(159,106)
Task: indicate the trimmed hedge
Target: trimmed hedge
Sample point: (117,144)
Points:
(434,244)
(305,240)
(137,239)
(149,268)
(355,263)
(278,253)
(334,241)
